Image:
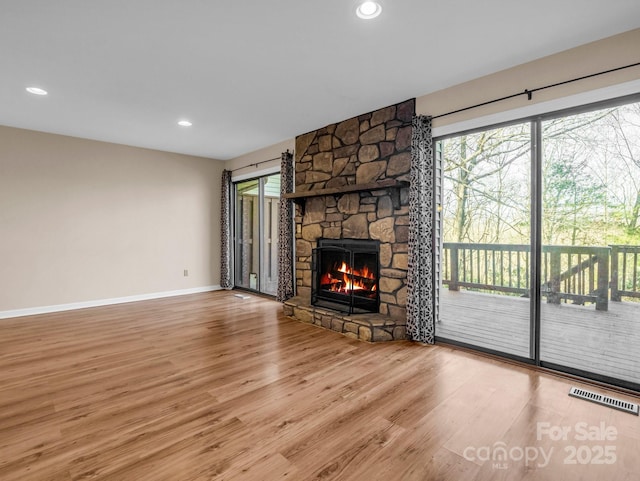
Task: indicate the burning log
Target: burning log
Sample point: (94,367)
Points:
(342,279)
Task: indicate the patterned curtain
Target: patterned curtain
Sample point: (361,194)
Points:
(420,307)
(285,231)
(225,223)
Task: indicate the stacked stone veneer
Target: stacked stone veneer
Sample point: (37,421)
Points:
(362,150)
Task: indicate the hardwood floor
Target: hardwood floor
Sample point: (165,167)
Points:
(213,387)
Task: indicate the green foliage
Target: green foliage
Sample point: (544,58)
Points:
(591,181)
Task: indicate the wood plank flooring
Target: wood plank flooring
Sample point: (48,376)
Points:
(213,387)
(603,342)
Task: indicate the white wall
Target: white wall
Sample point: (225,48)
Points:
(82,220)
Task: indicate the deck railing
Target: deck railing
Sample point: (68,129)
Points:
(576,273)
(625,272)
(579,274)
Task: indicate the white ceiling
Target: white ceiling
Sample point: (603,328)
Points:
(249,74)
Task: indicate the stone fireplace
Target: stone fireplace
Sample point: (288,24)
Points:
(351,183)
(345,275)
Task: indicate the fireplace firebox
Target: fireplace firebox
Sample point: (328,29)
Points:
(345,275)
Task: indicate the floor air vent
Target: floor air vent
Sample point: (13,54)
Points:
(625,406)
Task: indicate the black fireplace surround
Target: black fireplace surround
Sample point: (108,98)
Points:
(345,275)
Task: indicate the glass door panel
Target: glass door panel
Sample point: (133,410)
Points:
(590,266)
(247,234)
(256,233)
(271,204)
(486,224)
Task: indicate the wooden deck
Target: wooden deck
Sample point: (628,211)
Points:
(602,342)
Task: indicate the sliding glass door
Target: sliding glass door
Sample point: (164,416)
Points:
(541,241)
(590,311)
(256,233)
(486,261)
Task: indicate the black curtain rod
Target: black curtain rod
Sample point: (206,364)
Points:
(529,93)
(257,163)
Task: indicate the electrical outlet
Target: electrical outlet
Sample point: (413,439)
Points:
(186,272)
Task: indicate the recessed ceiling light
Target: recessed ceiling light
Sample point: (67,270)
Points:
(368,10)
(185,123)
(36,91)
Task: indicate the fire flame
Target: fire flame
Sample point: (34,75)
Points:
(351,279)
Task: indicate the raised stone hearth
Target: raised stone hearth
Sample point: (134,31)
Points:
(351,182)
(365,327)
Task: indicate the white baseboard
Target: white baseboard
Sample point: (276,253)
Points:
(103,302)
